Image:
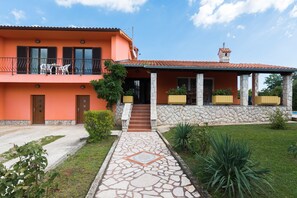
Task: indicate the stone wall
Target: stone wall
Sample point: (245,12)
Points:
(174,114)
(118,114)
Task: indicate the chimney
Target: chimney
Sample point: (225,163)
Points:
(224,54)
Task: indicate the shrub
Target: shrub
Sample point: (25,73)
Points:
(181,136)
(27,178)
(222,92)
(293,149)
(230,170)
(199,140)
(178,91)
(278,120)
(129,92)
(98,124)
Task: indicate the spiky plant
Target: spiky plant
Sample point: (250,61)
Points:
(181,136)
(230,170)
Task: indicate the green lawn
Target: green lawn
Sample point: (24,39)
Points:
(269,148)
(78,171)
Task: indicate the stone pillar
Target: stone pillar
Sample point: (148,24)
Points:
(154,101)
(255,86)
(199,89)
(244,90)
(287,91)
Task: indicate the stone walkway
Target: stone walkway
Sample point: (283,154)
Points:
(143,167)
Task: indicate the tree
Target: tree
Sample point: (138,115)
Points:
(110,87)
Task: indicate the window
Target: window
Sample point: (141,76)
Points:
(83,60)
(190,83)
(29,59)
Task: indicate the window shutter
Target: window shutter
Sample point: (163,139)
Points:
(67,58)
(21,60)
(51,55)
(96,61)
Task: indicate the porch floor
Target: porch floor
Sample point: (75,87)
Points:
(142,166)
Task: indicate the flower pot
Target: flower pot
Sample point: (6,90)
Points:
(218,99)
(267,100)
(127,99)
(177,99)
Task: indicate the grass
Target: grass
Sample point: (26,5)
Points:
(269,147)
(11,153)
(78,171)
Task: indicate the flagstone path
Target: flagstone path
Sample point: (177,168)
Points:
(142,166)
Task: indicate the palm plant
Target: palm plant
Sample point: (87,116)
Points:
(181,137)
(230,170)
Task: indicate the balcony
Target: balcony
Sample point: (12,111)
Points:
(48,70)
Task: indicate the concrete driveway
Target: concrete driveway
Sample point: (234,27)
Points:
(57,150)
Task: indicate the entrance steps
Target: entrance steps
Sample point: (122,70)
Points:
(140,120)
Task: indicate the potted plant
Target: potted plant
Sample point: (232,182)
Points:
(267,100)
(177,95)
(128,96)
(222,96)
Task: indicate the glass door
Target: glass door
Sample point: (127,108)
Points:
(38,56)
(83,61)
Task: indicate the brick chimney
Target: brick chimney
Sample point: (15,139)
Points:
(224,54)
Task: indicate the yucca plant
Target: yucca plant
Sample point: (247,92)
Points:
(230,170)
(181,136)
(293,149)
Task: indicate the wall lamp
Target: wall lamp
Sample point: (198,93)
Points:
(37,41)
(37,86)
(82,41)
(82,86)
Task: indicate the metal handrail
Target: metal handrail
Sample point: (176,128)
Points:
(17,65)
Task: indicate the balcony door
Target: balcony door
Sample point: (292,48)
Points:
(38,56)
(83,60)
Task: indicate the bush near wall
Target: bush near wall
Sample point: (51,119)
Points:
(98,124)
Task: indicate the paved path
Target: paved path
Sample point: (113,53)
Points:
(143,167)
(56,150)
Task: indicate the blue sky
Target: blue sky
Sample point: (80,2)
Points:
(257,31)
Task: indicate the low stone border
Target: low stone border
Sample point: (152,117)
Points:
(80,144)
(97,181)
(185,168)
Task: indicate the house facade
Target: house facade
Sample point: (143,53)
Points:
(45,75)
(45,72)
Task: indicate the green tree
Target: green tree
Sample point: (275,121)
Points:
(110,87)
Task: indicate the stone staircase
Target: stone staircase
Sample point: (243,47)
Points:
(140,118)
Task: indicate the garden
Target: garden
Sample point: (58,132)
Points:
(240,161)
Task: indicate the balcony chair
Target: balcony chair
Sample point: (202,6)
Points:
(64,69)
(44,68)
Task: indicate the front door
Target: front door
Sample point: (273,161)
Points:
(82,105)
(38,110)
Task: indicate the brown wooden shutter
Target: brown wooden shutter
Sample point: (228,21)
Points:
(51,55)
(67,58)
(22,59)
(96,61)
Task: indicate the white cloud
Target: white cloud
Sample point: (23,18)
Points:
(293,12)
(18,15)
(229,35)
(240,27)
(219,11)
(191,2)
(128,6)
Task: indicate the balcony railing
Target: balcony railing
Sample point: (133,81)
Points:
(48,66)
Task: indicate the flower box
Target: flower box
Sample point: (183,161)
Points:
(177,99)
(267,100)
(127,99)
(219,99)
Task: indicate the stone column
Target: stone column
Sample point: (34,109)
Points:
(255,86)
(154,101)
(199,89)
(244,90)
(287,91)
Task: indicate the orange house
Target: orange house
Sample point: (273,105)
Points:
(45,75)
(45,72)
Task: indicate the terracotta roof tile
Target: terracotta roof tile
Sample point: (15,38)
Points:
(204,65)
(225,50)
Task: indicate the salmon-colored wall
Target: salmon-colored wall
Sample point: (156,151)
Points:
(1,101)
(1,47)
(10,46)
(60,100)
(120,48)
(168,79)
